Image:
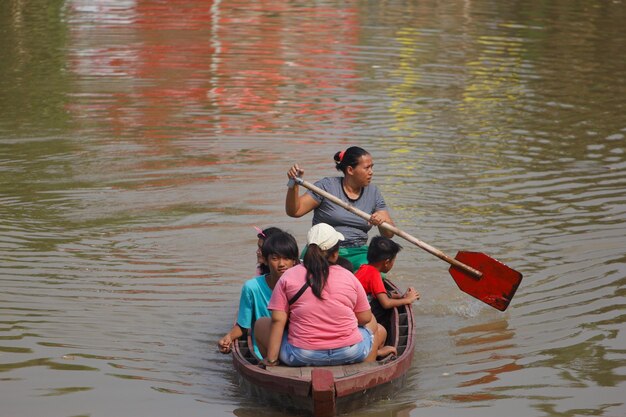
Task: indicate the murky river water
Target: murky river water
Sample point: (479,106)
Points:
(140,141)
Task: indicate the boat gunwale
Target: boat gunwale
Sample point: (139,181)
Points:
(368,377)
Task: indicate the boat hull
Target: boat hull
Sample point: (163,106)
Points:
(329,390)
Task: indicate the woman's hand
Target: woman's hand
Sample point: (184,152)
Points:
(380,217)
(295,171)
(376,219)
(297,205)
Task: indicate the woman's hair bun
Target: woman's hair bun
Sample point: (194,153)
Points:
(348,158)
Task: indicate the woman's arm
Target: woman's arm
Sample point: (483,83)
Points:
(297,205)
(279,320)
(226,342)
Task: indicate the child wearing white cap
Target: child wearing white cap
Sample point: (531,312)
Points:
(330,320)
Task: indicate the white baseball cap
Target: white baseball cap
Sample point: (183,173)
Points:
(324,236)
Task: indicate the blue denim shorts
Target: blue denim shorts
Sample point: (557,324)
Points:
(294,356)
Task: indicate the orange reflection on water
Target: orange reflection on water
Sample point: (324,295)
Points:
(492,373)
(489,336)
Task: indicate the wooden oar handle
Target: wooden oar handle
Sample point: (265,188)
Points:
(394,229)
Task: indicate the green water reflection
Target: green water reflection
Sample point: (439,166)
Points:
(33,70)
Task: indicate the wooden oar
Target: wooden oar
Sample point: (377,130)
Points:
(477,274)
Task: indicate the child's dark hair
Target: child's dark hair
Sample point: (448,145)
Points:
(317,267)
(349,158)
(381,249)
(343,262)
(281,244)
(265,233)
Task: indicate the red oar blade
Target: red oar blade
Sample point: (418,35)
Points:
(497,285)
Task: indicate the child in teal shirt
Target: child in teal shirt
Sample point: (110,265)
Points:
(280,252)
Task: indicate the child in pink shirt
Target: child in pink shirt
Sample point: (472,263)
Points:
(330,321)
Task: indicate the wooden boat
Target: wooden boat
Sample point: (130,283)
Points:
(328,390)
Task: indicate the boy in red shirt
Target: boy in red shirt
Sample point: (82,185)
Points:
(381,256)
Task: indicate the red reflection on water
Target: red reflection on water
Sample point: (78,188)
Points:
(161,70)
(481,338)
(491,374)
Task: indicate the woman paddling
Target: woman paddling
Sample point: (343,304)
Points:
(354,187)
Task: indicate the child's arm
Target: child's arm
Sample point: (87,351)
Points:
(277,328)
(395,294)
(386,302)
(225,342)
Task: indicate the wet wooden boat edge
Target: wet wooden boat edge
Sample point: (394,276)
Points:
(326,391)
